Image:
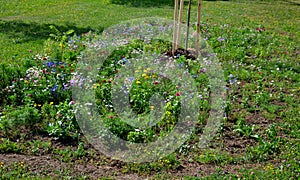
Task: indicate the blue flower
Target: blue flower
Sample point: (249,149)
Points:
(232,81)
(123,61)
(50,64)
(53,89)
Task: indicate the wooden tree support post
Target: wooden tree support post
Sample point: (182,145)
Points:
(198,26)
(179,24)
(188,26)
(175,27)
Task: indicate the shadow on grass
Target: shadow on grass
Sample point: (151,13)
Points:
(22,32)
(293,3)
(148,3)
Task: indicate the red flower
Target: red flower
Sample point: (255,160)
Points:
(178,94)
(111,117)
(61,66)
(260,29)
(155,82)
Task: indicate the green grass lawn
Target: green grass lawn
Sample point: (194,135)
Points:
(24,25)
(257,43)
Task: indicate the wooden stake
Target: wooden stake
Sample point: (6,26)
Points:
(198,26)
(175,27)
(179,23)
(188,26)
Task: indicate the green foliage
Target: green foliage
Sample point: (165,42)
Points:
(8,146)
(244,130)
(61,122)
(258,49)
(13,121)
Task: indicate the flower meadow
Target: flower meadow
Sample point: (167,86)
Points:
(257,137)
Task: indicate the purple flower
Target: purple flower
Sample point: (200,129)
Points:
(130,79)
(232,81)
(225,115)
(181,65)
(72,102)
(203,70)
(221,39)
(73,82)
(66,86)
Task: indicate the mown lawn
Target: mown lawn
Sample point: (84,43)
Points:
(257,43)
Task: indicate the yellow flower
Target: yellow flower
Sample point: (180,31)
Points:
(96,85)
(51,103)
(168,113)
(138,82)
(168,104)
(151,107)
(145,76)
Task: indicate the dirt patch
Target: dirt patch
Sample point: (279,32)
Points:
(47,165)
(257,119)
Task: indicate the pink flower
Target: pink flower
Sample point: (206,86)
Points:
(111,117)
(178,93)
